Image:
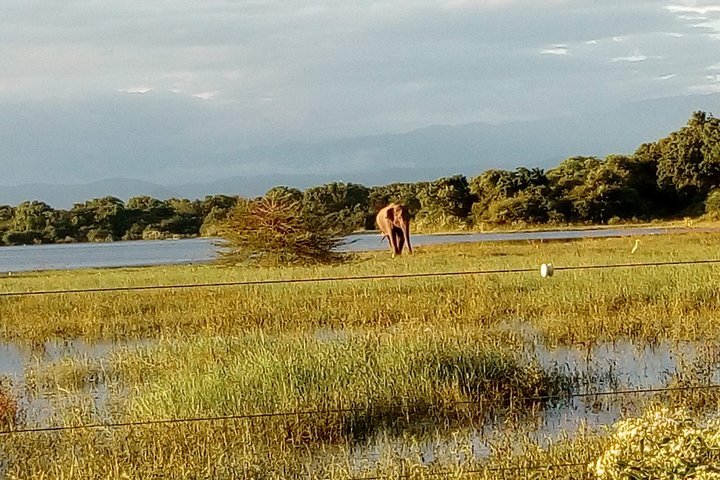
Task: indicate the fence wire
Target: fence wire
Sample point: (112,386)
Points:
(337,411)
(351,278)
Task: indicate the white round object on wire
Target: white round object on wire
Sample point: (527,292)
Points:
(546,270)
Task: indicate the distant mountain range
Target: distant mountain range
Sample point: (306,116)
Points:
(423,154)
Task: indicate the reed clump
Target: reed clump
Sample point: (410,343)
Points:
(68,373)
(358,384)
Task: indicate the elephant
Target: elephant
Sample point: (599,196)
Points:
(394,223)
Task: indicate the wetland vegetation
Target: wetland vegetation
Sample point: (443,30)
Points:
(411,377)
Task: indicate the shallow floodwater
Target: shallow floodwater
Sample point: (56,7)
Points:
(202,250)
(611,366)
(605,366)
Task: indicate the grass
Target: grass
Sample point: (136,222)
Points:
(650,303)
(391,383)
(384,380)
(403,354)
(389,380)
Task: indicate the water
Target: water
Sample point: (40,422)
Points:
(606,366)
(202,250)
(610,366)
(109,254)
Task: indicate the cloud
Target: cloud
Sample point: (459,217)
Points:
(499,4)
(313,70)
(205,95)
(139,89)
(555,50)
(631,58)
(694,11)
(705,89)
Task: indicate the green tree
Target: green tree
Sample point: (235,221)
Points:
(100,218)
(32,216)
(215,209)
(445,203)
(285,193)
(501,196)
(597,190)
(688,160)
(337,206)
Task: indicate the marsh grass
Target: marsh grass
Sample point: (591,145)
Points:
(386,381)
(394,383)
(650,303)
(202,451)
(68,373)
(703,370)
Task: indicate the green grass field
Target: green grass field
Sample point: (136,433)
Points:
(575,306)
(405,359)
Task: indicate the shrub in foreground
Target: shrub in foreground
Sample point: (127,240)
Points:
(662,445)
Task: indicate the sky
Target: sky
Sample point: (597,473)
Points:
(162,89)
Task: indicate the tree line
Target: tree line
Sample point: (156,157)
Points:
(677,175)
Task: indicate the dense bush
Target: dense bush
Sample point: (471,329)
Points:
(712,204)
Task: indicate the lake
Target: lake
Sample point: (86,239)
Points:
(201,250)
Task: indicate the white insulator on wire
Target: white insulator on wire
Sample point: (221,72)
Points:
(546,270)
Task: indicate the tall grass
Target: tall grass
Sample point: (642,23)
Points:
(393,383)
(404,385)
(385,379)
(649,303)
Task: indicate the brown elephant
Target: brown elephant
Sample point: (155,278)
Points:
(394,223)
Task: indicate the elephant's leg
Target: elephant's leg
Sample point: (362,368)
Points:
(392,239)
(400,240)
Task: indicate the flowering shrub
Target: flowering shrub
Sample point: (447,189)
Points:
(661,445)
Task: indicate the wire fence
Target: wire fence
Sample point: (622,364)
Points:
(352,278)
(338,411)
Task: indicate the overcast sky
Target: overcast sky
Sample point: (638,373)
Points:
(87,86)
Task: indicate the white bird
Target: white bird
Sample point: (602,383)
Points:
(634,249)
